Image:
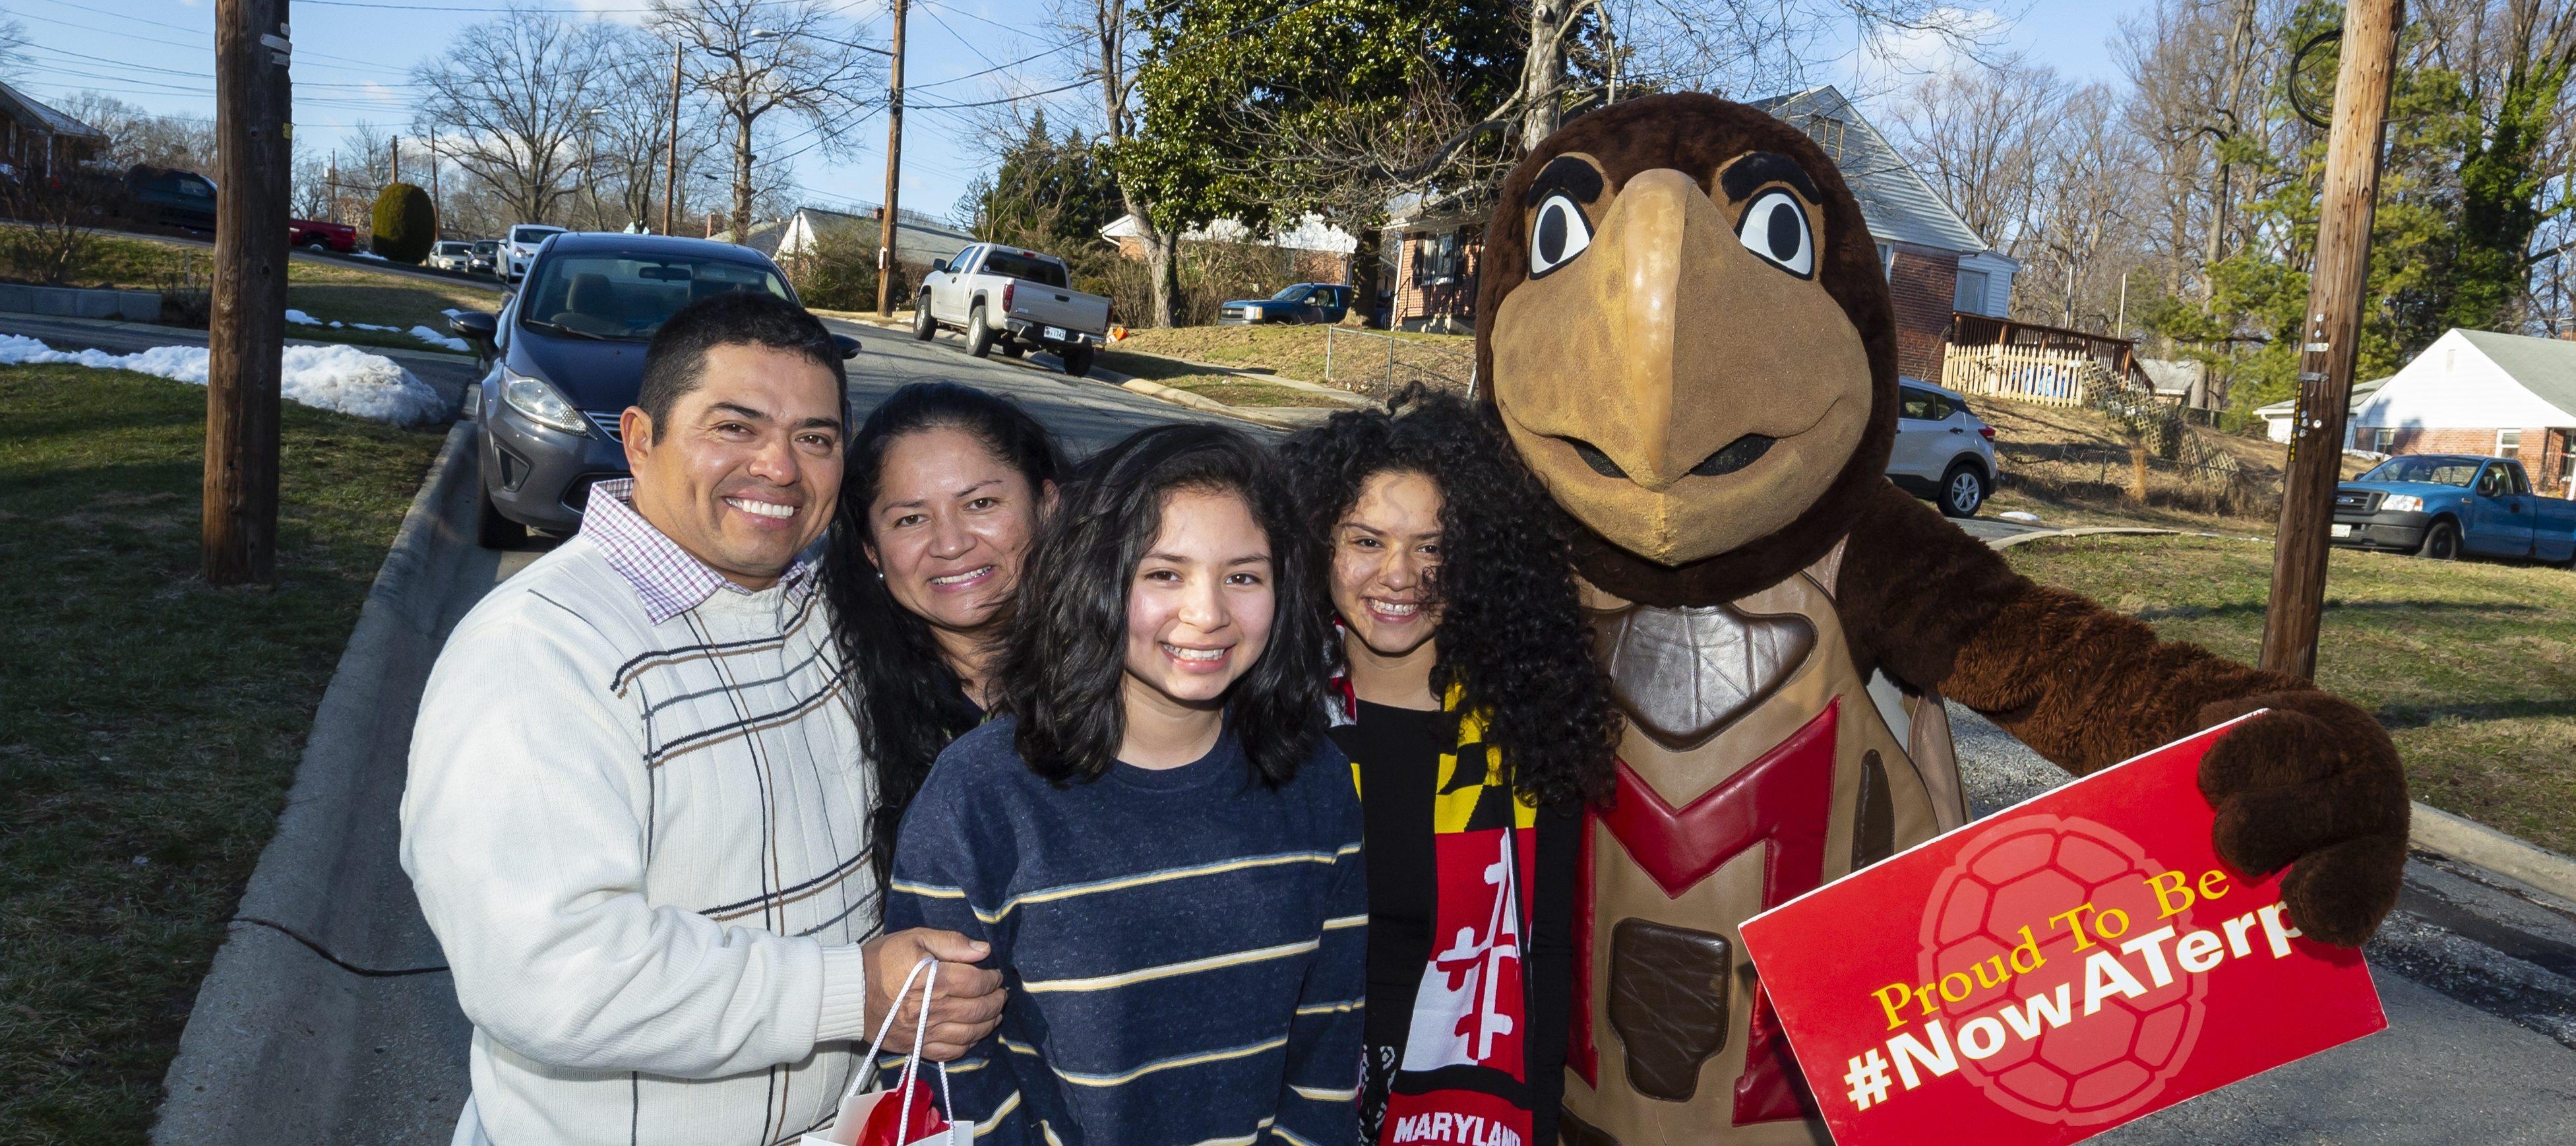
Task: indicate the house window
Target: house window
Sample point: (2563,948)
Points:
(1970,294)
(1440,258)
(1828,134)
(2509,444)
(2383,440)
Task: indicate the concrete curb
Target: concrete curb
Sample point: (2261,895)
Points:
(2429,828)
(2460,838)
(271,1051)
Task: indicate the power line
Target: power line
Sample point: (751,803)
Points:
(173,27)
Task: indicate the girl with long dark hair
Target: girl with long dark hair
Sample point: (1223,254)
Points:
(1480,724)
(1155,836)
(942,493)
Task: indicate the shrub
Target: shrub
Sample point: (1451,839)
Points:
(406,224)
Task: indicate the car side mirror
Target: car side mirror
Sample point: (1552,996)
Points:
(939,266)
(474,325)
(849,346)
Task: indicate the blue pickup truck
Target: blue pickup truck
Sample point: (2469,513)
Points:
(2447,506)
(1299,303)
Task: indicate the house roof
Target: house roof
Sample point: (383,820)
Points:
(2544,366)
(2361,392)
(916,236)
(26,109)
(1896,201)
(1311,233)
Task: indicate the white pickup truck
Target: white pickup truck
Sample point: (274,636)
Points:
(1013,299)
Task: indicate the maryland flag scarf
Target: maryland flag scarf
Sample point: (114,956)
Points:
(1461,1080)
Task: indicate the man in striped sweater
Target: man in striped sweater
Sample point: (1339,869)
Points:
(637,815)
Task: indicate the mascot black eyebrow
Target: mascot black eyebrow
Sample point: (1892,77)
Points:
(1687,335)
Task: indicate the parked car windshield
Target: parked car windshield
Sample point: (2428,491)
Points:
(2437,471)
(1039,271)
(1295,293)
(533,234)
(614,296)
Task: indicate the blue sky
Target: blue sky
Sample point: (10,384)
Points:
(353,59)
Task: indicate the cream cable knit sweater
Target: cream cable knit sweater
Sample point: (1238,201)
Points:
(643,847)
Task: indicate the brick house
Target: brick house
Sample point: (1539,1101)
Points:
(1936,265)
(36,140)
(2480,392)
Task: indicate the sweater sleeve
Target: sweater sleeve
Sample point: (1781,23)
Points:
(1320,1106)
(523,834)
(937,884)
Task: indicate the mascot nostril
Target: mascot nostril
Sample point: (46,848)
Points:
(1781,625)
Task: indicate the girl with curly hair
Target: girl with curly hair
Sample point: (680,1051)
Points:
(1480,725)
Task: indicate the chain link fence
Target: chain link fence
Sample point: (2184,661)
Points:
(1380,366)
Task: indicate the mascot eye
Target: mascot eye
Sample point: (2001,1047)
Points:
(1559,234)
(1775,227)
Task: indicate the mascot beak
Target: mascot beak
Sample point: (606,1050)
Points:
(1660,224)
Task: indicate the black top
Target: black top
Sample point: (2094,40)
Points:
(1398,750)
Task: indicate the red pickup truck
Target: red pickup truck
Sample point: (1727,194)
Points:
(322,236)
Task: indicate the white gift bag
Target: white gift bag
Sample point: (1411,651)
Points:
(859,1103)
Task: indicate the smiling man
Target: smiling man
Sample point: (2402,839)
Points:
(637,816)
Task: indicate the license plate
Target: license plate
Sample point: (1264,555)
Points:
(1054,332)
(2341,530)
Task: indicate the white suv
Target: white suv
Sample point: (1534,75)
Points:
(1943,451)
(520,249)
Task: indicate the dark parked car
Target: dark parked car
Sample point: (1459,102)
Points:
(2450,505)
(486,252)
(1303,303)
(566,357)
(170,197)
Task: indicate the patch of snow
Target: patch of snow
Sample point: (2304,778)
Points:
(341,378)
(2017,515)
(300,318)
(368,255)
(371,326)
(335,324)
(441,341)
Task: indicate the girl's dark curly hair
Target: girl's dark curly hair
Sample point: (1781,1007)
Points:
(1511,633)
(910,703)
(1066,653)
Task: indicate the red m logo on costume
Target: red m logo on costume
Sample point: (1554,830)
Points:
(1783,800)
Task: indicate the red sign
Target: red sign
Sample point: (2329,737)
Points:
(2051,971)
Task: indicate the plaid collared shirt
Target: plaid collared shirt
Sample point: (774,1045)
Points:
(669,579)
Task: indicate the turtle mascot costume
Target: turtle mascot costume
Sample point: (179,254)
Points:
(1688,337)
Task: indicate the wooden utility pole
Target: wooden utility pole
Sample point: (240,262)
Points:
(891,225)
(438,206)
(671,176)
(247,328)
(2332,334)
(393,150)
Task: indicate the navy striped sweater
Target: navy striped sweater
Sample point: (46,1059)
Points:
(1185,949)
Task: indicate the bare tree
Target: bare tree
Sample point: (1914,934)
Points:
(509,97)
(1981,135)
(766,57)
(1111,39)
(138,136)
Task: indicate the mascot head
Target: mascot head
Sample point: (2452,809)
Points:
(1686,330)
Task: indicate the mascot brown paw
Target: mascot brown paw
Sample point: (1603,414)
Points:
(2313,785)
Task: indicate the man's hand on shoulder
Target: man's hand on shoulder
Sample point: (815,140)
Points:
(965,1003)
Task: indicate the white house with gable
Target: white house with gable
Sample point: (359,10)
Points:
(2480,392)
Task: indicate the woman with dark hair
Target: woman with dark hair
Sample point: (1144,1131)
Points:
(943,489)
(1480,724)
(1155,836)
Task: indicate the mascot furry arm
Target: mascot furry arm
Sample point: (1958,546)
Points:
(2314,784)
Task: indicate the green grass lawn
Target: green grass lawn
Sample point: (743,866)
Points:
(1237,390)
(325,289)
(2471,665)
(1287,351)
(149,724)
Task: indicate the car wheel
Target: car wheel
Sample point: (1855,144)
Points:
(923,326)
(491,530)
(1963,489)
(1077,361)
(2442,542)
(979,337)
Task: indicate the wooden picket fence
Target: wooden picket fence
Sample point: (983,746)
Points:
(2045,375)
